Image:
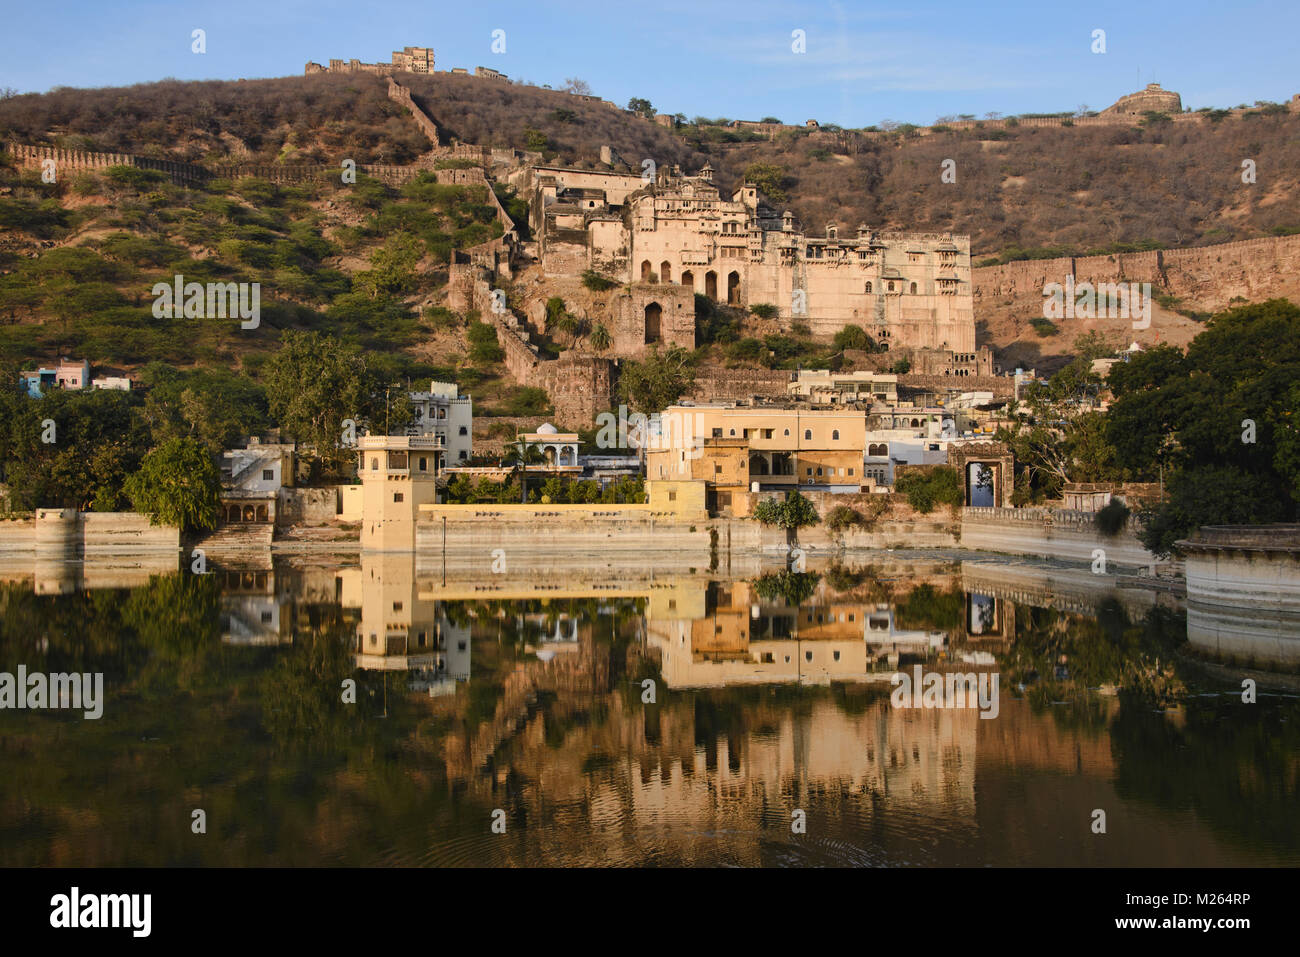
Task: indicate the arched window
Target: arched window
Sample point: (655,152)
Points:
(835,435)
(374,465)
(807,434)
(868,287)
(913,289)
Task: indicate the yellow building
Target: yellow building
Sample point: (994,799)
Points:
(738,451)
(398,475)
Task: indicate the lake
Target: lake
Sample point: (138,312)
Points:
(353,712)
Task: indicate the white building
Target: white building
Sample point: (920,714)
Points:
(448,416)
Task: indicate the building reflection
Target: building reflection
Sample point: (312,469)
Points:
(725,633)
(252,610)
(401,630)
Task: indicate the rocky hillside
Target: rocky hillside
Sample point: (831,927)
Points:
(1018,191)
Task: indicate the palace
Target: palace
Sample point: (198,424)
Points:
(907,290)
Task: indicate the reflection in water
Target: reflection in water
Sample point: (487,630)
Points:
(675,719)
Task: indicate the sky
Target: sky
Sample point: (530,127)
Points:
(908,61)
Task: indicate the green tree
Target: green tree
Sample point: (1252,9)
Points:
(792,513)
(657,381)
(392,268)
(177,484)
(519,456)
(643,106)
(769,179)
(1210,495)
(926,488)
(600,339)
(313,383)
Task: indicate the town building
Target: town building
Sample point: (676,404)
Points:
(66,374)
(739,451)
(823,387)
(448,417)
(251,479)
(398,475)
(559,449)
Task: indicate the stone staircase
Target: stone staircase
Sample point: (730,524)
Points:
(235,539)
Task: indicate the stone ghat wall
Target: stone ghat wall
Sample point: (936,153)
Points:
(307,506)
(568,537)
(1253,269)
(18,535)
(64,533)
(1072,536)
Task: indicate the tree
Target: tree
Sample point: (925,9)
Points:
(925,489)
(1213,495)
(642,106)
(600,339)
(313,383)
(177,484)
(392,268)
(854,337)
(574,85)
(657,381)
(793,513)
(769,178)
(519,456)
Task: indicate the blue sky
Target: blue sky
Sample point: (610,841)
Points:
(864,62)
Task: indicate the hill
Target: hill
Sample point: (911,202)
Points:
(1027,192)
(1020,191)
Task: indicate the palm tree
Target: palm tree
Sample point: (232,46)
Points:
(600,339)
(519,456)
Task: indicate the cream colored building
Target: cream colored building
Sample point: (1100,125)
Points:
(738,451)
(398,475)
(823,387)
(905,289)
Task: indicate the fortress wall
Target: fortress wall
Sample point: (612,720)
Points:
(33,156)
(1211,275)
(739,384)
(403,96)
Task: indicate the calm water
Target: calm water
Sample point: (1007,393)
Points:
(527,697)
